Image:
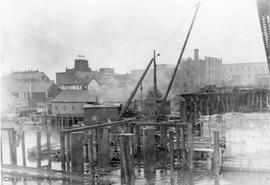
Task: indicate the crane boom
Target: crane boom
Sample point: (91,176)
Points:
(264,17)
(181,54)
(135,89)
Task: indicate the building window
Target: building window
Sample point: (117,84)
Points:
(56,107)
(64,107)
(73,107)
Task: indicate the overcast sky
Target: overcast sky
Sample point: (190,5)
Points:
(48,35)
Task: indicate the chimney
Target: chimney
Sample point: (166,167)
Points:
(196,54)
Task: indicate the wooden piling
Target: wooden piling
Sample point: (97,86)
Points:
(149,150)
(183,152)
(216,154)
(49,153)
(38,149)
(209,162)
(127,159)
(14,147)
(103,147)
(178,144)
(171,151)
(77,152)
(62,143)
(138,142)
(62,122)
(68,152)
(23,149)
(190,146)
(164,144)
(90,150)
(261,102)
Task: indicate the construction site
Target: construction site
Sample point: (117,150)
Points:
(211,134)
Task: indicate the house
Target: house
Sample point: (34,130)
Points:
(34,90)
(71,102)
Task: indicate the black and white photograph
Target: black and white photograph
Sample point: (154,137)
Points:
(135,92)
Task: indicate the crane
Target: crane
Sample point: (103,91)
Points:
(264,17)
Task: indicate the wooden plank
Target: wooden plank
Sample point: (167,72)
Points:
(149,151)
(90,151)
(68,152)
(62,143)
(38,134)
(77,159)
(171,152)
(178,144)
(23,149)
(103,147)
(216,154)
(49,150)
(127,159)
(190,146)
(98,126)
(138,142)
(11,147)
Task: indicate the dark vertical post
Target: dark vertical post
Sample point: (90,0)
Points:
(138,138)
(38,149)
(62,143)
(149,150)
(171,151)
(10,142)
(178,144)
(77,152)
(62,122)
(127,159)
(190,145)
(261,102)
(183,145)
(165,142)
(216,153)
(68,152)
(103,147)
(49,150)
(90,150)
(14,147)
(23,150)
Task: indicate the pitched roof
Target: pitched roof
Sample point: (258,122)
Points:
(16,86)
(30,75)
(75,96)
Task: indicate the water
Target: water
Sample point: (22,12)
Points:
(30,141)
(162,177)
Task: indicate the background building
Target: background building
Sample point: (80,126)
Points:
(71,102)
(243,74)
(29,89)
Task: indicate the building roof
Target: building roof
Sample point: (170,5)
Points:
(71,78)
(16,86)
(74,96)
(30,76)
